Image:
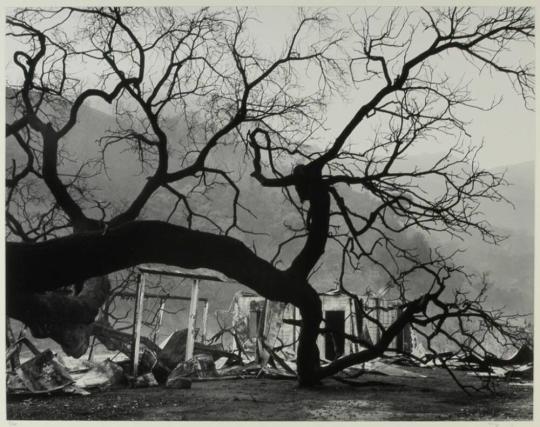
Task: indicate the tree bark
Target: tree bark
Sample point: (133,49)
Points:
(307,356)
(63,317)
(50,265)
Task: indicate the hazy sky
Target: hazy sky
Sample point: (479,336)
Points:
(508,131)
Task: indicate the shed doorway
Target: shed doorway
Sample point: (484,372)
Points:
(334,341)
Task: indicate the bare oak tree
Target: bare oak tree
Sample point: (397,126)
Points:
(203,69)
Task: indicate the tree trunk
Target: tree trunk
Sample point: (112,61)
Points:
(307,356)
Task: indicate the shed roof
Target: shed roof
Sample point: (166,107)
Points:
(197,273)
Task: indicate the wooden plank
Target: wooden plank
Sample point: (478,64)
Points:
(15,354)
(137,322)
(295,345)
(160,318)
(378,317)
(94,339)
(273,319)
(190,345)
(180,274)
(351,320)
(158,296)
(204,321)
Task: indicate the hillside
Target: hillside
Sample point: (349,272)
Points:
(510,264)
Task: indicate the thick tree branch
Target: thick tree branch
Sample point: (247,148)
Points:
(36,267)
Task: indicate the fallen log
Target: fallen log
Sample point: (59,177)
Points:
(121,341)
(174,350)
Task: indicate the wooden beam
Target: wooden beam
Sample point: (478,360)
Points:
(352,320)
(204,321)
(137,322)
(190,345)
(161,272)
(378,317)
(158,296)
(294,329)
(160,318)
(94,339)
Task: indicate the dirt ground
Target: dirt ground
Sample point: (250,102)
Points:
(379,397)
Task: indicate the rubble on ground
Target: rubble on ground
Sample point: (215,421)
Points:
(43,374)
(199,366)
(91,375)
(387,366)
(46,372)
(173,353)
(142,381)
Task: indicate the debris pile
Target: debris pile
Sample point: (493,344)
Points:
(41,374)
(46,372)
(166,364)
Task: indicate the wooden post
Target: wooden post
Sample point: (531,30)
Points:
(294,328)
(378,316)
(91,351)
(93,341)
(401,334)
(352,320)
(11,339)
(359,310)
(137,322)
(204,322)
(160,318)
(190,345)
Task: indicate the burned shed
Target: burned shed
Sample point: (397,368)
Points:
(251,318)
